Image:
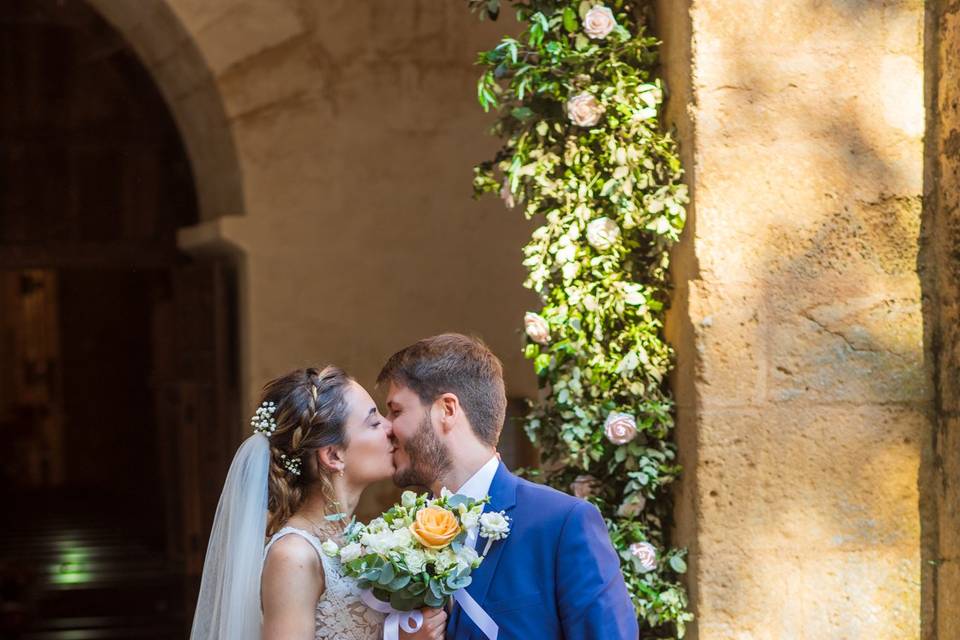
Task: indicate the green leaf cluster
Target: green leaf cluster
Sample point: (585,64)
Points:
(604,300)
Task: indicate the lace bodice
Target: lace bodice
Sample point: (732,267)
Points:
(340,613)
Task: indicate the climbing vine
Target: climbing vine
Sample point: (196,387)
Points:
(585,155)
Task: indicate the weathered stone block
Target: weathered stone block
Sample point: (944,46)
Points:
(847,341)
(728,326)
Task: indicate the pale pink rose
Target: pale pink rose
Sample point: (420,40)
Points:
(633,508)
(537,328)
(599,22)
(506,194)
(585,486)
(646,553)
(584,110)
(620,428)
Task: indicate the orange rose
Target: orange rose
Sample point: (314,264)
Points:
(434,527)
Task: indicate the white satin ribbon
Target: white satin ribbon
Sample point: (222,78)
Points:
(480,617)
(409,621)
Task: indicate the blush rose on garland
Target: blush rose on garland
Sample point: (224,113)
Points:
(586,157)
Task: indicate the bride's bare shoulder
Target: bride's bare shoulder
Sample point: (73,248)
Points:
(291,552)
(292,572)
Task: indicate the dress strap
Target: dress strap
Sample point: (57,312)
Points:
(306,535)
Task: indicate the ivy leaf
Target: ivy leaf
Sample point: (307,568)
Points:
(522,113)
(677,564)
(570,20)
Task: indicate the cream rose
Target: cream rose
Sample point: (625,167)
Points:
(599,22)
(351,552)
(602,233)
(584,110)
(584,486)
(620,428)
(536,327)
(330,548)
(646,553)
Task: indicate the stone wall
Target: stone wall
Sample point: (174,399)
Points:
(801,388)
(355,129)
(940,265)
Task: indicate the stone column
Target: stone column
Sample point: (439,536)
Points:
(801,389)
(940,264)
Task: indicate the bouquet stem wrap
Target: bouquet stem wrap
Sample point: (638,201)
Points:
(410,621)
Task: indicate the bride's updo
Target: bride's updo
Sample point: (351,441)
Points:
(309,410)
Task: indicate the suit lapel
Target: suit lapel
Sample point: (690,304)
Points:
(503,497)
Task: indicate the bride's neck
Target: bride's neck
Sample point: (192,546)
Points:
(316,505)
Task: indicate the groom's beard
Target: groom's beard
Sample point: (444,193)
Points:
(429,458)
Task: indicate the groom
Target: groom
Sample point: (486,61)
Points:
(556,575)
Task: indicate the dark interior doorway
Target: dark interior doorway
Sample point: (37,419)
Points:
(116,371)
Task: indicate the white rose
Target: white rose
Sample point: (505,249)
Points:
(646,553)
(351,552)
(584,110)
(330,548)
(620,428)
(584,486)
(470,518)
(408,499)
(602,233)
(376,525)
(381,542)
(467,557)
(402,538)
(415,560)
(599,22)
(494,525)
(536,327)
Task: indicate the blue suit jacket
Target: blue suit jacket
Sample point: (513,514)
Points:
(555,576)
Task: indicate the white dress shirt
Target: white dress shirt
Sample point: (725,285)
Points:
(477,486)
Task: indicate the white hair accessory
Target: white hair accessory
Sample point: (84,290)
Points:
(262,421)
(293,465)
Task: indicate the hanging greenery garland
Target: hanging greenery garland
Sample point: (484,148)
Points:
(586,157)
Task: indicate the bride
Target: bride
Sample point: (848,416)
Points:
(318,442)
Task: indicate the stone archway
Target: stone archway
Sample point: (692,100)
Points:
(169,52)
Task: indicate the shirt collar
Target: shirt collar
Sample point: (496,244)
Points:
(477,486)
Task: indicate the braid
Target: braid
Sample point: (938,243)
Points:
(311,411)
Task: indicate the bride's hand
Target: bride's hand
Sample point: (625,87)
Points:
(434,625)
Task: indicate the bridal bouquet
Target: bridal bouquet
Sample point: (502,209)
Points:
(414,555)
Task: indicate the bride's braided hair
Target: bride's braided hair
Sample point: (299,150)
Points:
(311,411)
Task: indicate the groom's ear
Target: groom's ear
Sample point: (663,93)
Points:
(449,406)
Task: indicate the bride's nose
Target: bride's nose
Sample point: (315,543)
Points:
(388,428)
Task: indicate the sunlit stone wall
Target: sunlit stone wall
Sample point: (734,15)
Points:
(803,397)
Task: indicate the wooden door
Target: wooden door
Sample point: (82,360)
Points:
(197,391)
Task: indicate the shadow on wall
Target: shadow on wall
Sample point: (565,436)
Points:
(807,349)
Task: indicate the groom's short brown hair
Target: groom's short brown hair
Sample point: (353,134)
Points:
(457,364)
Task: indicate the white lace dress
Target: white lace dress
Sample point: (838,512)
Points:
(341,615)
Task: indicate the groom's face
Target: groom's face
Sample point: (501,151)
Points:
(420,457)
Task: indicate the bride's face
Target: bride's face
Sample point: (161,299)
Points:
(368,456)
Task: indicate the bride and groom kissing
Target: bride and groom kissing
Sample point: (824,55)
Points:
(320,440)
